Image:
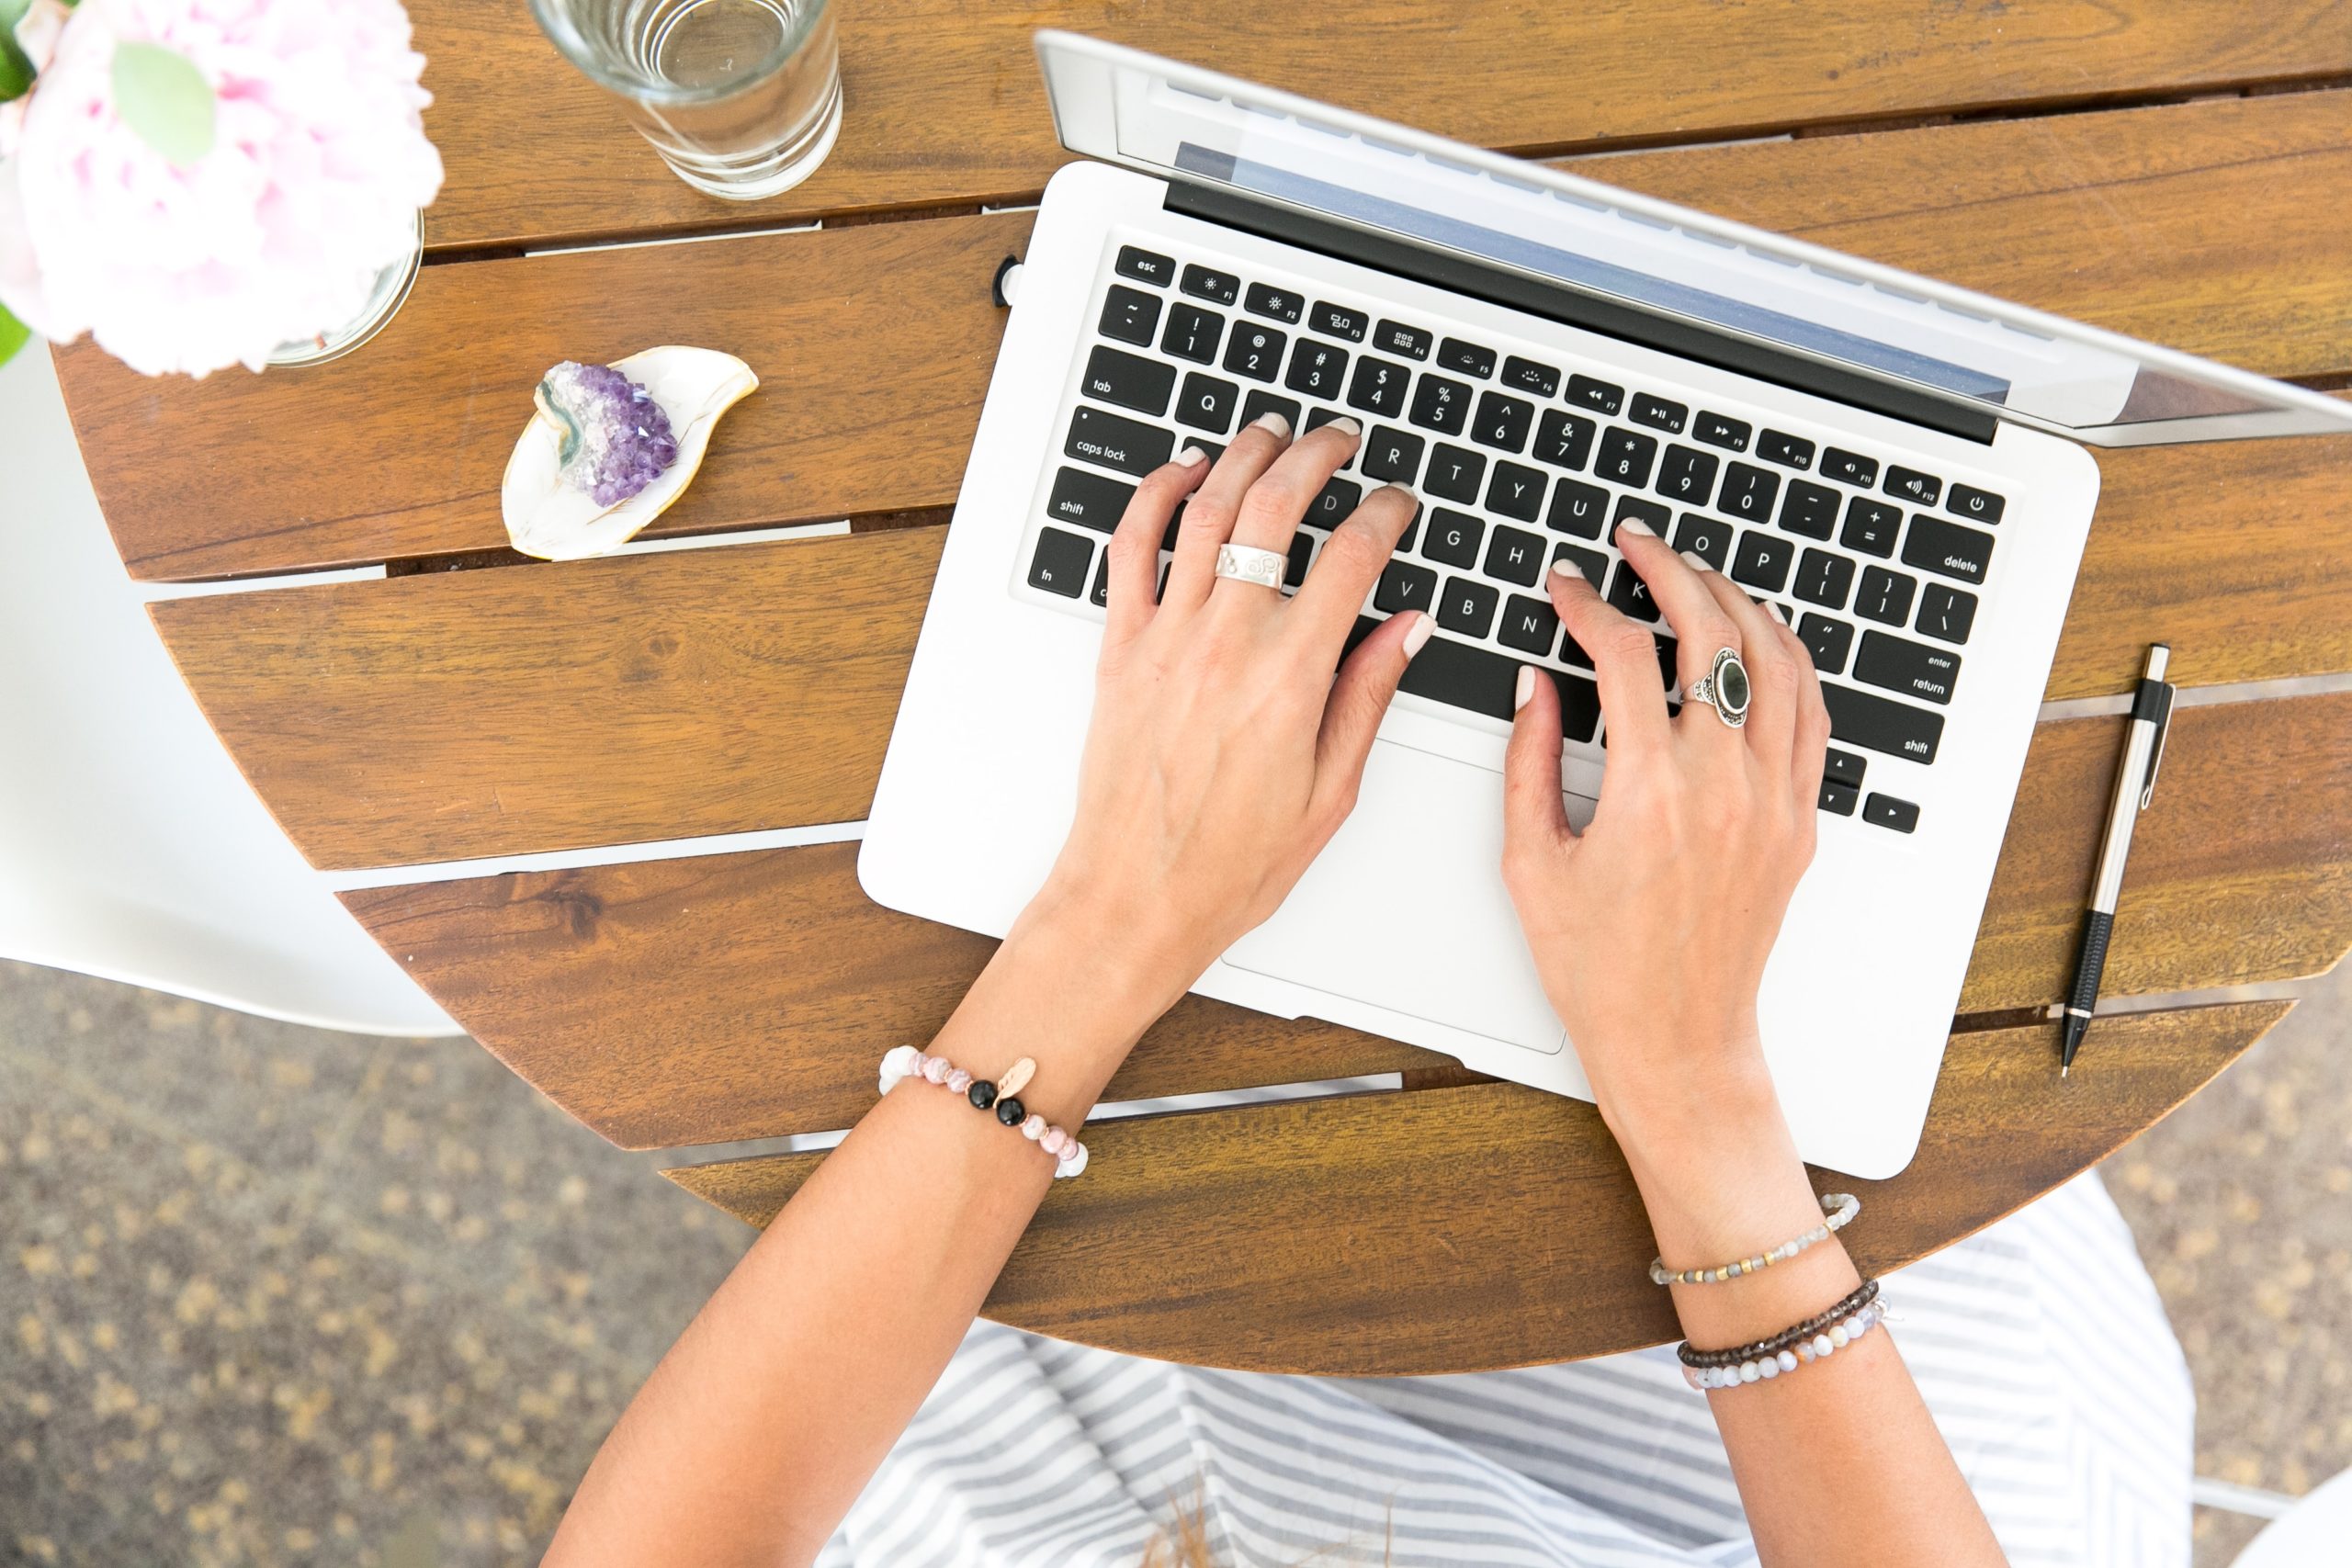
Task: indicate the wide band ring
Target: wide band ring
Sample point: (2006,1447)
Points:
(1246,563)
(1724,688)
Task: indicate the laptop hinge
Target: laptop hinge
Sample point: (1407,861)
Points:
(1612,318)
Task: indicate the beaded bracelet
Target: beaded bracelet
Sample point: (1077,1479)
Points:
(1842,1208)
(904,1062)
(1862,1296)
(1762,1368)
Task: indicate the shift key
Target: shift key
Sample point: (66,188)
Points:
(1123,444)
(1091,500)
(1882,724)
(1913,668)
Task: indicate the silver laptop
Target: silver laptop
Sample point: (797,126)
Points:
(1895,461)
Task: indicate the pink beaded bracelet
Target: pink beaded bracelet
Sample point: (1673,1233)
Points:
(1002,1096)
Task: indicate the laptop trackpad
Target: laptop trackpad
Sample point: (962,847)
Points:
(1406,909)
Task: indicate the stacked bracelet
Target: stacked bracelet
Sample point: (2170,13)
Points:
(1864,1294)
(1841,1206)
(1002,1096)
(1758,1365)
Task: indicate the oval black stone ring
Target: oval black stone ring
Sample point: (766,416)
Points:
(1724,688)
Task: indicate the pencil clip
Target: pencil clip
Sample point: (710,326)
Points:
(2157,752)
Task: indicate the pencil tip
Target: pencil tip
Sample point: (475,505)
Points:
(2064,1070)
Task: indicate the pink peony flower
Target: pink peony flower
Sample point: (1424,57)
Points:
(318,164)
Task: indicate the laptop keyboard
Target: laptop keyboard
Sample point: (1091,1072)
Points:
(1520,462)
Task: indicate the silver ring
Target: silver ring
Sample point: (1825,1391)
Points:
(1724,688)
(1246,563)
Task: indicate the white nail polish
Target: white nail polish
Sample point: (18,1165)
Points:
(1695,562)
(1418,638)
(1345,426)
(1566,567)
(1191,456)
(1526,692)
(1272,420)
(1636,527)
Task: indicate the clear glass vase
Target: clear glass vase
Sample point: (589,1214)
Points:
(390,290)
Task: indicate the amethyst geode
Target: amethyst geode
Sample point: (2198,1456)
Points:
(616,440)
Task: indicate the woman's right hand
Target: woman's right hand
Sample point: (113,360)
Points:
(1651,926)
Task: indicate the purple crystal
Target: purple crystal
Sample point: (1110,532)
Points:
(616,439)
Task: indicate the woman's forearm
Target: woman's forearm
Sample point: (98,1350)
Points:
(757,1431)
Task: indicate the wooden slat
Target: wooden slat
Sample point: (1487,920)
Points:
(944,104)
(2134,219)
(1464,1229)
(749,994)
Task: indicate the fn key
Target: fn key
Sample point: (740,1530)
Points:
(1061,563)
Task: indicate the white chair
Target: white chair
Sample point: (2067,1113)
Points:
(2314,1531)
(130,847)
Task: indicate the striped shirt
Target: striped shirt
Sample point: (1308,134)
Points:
(2039,1343)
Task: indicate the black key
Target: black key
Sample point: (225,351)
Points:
(1913,486)
(1317,418)
(1526,376)
(1686,476)
(1721,430)
(1913,668)
(1099,594)
(1789,451)
(1442,405)
(1115,442)
(1976,506)
(1658,414)
(1316,370)
(1653,516)
(1146,266)
(1824,579)
(1836,463)
(1091,500)
(1882,724)
(1456,673)
(1871,526)
(1563,440)
(1213,450)
(1278,304)
(1130,315)
(1333,503)
(1946,612)
(1578,508)
(1843,766)
(1668,673)
(1118,377)
(1592,563)
(1404,586)
(1748,492)
(1379,387)
(1530,625)
(1884,596)
(1579,704)
(1302,551)
(1392,455)
(1888,812)
(1468,606)
(1762,560)
(1061,563)
(1466,357)
(1396,337)
(1454,537)
(1516,491)
(1601,397)
(1192,332)
(1810,509)
(1709,538)
(1502,422)
(1258,403)
(1206,402)
(1625,457)
(1159,594)
(1455,473)
(1631,594)
(1839,798)
(1255,350)
(1831,640)
(1338,321)
(1515,557)
(1934,544)
(1207,282)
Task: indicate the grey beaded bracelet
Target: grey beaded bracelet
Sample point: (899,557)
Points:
(1841,1207)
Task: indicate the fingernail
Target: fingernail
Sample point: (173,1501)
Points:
(1275,421)
(1526,690)
(1344,425)
(1423,628)
(1635,525)
(1406,491)
(1566,567)
(1695,562)
(1190,457)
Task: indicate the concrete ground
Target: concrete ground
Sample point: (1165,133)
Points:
(270,1296)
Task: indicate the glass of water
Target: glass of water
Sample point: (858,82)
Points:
(742,98)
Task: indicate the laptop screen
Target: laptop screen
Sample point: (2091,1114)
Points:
(1966,348)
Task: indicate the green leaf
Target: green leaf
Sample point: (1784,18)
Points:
(13,333)
(162,96)
(16,71)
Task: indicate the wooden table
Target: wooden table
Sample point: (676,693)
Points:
(2172,170)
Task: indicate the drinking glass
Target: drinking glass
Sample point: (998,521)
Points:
(742,98)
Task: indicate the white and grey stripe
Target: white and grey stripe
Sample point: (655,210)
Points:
(2040,1345)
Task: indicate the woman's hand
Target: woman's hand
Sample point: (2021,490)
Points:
(1652,926)
(1222,755)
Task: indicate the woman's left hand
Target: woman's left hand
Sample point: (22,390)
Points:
(1222,755)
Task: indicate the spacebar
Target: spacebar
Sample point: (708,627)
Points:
(1456,672)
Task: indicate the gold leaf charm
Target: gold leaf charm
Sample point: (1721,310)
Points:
(1016,1077)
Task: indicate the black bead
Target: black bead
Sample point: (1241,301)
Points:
(1011,1111)
(983,1093)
